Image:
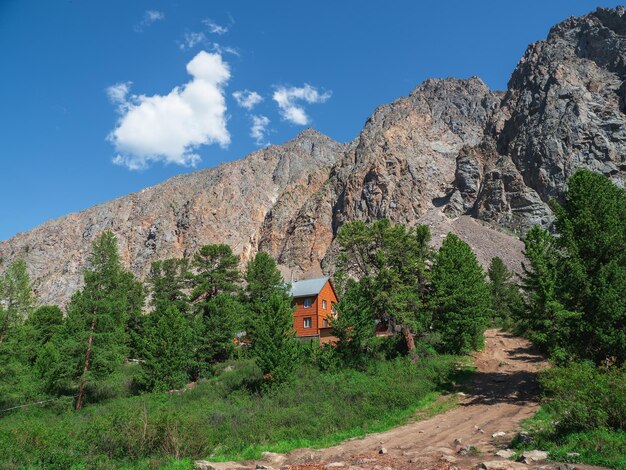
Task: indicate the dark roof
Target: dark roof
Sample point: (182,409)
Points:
(308,287)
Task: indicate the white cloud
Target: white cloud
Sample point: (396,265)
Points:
(259,130)
(190,40)
(117,94)
(247,99)
(170,128)
(213,27)
(149,17)
(225,49)
(289,99)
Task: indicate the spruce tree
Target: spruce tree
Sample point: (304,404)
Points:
(460,297)
(273,340)
(167,350)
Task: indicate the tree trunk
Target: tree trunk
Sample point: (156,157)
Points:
(410,342)
(3,332)
(81,389)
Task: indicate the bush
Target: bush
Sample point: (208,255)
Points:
(583,397)
(222,418)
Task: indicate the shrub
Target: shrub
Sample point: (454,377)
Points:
(583,397)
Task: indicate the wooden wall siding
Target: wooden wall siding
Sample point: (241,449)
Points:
(301,313)
(316,312)
(328,294)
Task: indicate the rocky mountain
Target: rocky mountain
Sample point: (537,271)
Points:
(453,154)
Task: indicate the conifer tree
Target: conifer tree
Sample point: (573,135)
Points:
(216,271)
(505,296)
(390,262)
(262,278)
(16,297)
(219,321)
(546,321)
(135,297)
(218,313)
(40,328)
(93,340)
(273,340)
(576,282)
(353,325)
(169,281)
(460,297)
(167,350)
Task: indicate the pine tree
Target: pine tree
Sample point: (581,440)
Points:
(219,321)
(16,297)
(273,340)
(353,326)
(505,296)
(216,271)
(460,297)
(262,278)
(167,350)
(390,262)
(169,281)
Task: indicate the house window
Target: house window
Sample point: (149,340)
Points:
(325,323)
(324,304)
(308,302)
(333,310)
(307,322)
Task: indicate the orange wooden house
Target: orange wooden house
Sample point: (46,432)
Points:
(314,301)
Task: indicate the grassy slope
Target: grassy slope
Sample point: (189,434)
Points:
(221,420)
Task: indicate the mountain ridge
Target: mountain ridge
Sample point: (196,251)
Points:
(452,153)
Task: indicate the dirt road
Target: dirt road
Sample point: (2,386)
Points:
(503,391)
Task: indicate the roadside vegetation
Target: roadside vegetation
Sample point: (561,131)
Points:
(575,310)
(201,361)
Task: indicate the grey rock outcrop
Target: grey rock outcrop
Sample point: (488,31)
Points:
(564,109)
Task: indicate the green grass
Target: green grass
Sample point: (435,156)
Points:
(601,447)
(222,420)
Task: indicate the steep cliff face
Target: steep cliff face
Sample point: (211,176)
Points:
(452,154)
(564,109)
(400,166)
(226,204)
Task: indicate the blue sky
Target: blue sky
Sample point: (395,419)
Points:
(98,100)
